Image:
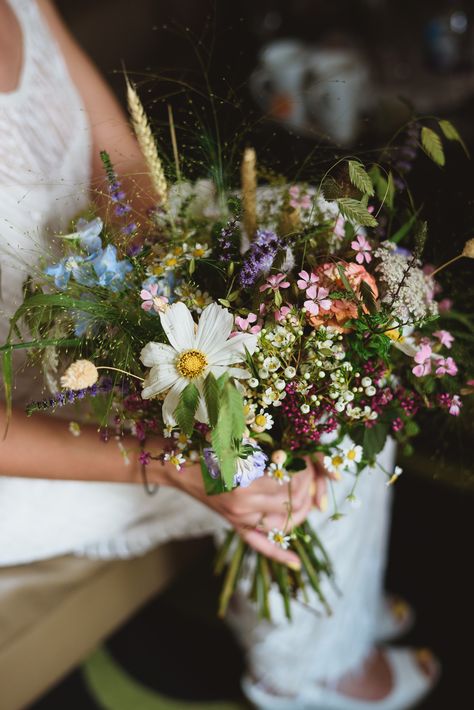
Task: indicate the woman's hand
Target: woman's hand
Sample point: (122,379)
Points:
(256,510)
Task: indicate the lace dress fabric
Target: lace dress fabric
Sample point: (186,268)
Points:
(45,157)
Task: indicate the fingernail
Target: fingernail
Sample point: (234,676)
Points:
(312,489)
(295,566)
(323,503)
(336,476)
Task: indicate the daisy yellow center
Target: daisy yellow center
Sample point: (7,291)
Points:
(174,460)
(351,455)
(260,420)
(279,538)
(337,461)
(279,473)
(198,252)
(171,261)
(191,364)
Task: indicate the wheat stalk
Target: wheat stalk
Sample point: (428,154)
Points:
(248,173)
(147,143)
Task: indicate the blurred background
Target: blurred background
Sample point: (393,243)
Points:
(309,79)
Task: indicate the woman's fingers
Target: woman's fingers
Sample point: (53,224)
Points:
(262,544)
(321,495)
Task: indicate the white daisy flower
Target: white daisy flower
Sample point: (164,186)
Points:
(279,538)
(334,463)
(352,454)
(262,421)
(175,458)
(192,353)
(278,473)
(181,439)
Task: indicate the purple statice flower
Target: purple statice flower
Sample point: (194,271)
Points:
(259,258)
(247,470)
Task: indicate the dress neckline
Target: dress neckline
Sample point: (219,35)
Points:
(25,52)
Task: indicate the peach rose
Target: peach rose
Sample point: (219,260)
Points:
(341,310)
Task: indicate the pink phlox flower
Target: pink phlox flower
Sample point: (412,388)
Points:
(423,360)
(245,324)
(299,199)
(275,282)
(444,337)
(281,313)
(317,300)
(363,249)
(455,407)
(151,300)
(445,305)
(446,366)
(306,280)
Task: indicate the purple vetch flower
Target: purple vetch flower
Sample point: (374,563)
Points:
(247,470)
(259,258)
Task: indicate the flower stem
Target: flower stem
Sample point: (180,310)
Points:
(448,263)
(124,372)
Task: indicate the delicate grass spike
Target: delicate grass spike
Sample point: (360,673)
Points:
(186,409)
(356,212)
(450,132)
(360,178)
(147,143)
(431,144)
(7,384)
(249,191)
(174,142)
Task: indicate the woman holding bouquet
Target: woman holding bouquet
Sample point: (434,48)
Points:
(56,114)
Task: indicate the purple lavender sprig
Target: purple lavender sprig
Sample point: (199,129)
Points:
(61,399)
(117,194)
(259,258)
(226,241)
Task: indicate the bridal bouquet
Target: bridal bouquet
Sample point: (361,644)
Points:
(253,327)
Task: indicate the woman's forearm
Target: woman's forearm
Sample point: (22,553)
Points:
(43,447)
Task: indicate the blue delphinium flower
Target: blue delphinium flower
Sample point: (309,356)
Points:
(109,271)
(63,270)
(89,234)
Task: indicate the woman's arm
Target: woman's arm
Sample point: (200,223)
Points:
(110,128)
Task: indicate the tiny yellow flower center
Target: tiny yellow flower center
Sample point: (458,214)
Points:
(279,474)
(182,438)
(174,460)
(279,538)
(337,461)
(260,420)
(191,364)
(351,455)
(171,261)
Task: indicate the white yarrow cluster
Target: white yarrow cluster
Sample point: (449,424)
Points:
(414,300)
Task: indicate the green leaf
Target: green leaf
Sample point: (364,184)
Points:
(451,133)
(374,440)
(211,395)
(237,412)
(360,178)
(40,344)
(368,297)
(404,229)
(355,211)
(186,409)
(432,146)
(345,280)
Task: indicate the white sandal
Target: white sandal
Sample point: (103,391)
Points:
(396,618)
(409,687)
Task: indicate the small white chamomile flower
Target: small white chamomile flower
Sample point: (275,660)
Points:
(278,473)
(262,422)
(279,538)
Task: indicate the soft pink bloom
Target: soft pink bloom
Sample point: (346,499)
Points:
(455,407)
(151,300)
(306,280)
(282,313)
(275,282)
(445,305)
(444,337)
(423,360)
(299,199)
(245,324)
(363,249)
(446,366)
(318,300)
(339,230)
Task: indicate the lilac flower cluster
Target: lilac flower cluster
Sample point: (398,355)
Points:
(226,248)
(259,257)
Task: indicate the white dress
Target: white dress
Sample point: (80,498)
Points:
(45,157)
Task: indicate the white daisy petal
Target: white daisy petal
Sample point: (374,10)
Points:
(237,372)
(178,325)
(233,350)
(172,400)
(156,354)
(215,326)
(159,379)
